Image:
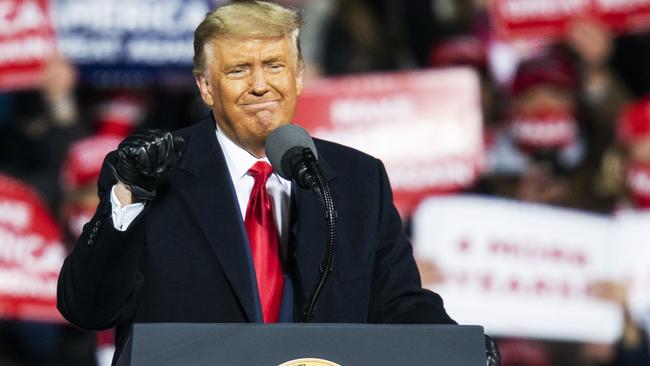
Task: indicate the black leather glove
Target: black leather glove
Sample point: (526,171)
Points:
(492,352)
(145,159)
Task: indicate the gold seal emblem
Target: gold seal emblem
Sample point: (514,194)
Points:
(309,362)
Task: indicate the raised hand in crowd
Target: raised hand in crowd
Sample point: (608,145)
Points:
(591,40)
(429,272)
(603,93)
(58,84)
(632,347)
(616,292)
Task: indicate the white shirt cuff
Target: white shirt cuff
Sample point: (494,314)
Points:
(123,216)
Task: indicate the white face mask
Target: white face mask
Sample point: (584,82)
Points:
(544,129)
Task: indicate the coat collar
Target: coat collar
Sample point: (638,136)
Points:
(204,145)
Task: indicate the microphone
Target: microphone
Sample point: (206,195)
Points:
(293,155)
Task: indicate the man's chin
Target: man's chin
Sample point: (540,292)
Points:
(269,124)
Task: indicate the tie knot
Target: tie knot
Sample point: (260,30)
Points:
(261,171)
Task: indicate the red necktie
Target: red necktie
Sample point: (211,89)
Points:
(263,238)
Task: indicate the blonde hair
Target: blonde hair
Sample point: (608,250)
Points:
(246,18)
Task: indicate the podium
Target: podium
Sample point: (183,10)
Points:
(303,345)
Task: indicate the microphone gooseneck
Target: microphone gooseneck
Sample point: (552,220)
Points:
(293,155)
(328,260)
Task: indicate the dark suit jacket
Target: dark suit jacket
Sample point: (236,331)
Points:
(184,260)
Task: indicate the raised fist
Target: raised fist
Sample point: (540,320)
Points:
(145,159)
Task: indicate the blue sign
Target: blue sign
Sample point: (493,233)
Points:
(134,39)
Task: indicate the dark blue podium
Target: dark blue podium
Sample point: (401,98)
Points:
(277,344)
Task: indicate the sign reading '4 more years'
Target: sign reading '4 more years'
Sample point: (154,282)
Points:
(520,269)
(425,126)
(26,42)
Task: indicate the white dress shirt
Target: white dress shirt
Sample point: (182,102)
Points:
(238,161)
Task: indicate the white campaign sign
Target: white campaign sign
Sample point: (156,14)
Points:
(519,269)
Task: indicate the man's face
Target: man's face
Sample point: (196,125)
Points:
(252,85)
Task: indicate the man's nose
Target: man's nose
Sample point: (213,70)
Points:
(259,84)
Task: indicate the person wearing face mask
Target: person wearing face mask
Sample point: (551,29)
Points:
(634,138)
(537,155)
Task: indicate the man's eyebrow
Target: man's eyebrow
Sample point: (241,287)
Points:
(235,64)
(272,59)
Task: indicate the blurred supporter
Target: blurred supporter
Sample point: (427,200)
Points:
(362,36)
(120,113)
(625,175)
(537,155)
(634,135)
(470,51)
(602,93)
(430,22)
(42,125)
(631,349)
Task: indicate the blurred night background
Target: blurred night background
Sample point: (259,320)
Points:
(556,124)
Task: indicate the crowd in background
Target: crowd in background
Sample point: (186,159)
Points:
(565,123)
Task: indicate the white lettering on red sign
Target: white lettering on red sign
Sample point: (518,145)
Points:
(17,17)
(171,17)
(15,214)
(539,9)
(370,110)
(621,5)
(25,50)
(30,252)
(18,283)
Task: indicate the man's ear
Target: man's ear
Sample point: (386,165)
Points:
(204,88)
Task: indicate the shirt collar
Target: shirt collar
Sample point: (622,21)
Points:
(239,161)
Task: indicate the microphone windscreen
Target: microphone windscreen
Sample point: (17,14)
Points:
(283,139)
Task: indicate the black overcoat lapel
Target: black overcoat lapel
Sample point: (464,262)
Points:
(210,196)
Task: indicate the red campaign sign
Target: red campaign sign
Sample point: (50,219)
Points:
(31,255)
(26,40)
(550,18)
(425,126)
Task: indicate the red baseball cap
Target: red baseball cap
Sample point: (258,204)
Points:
(549,68)
(120,114)
(84,160)
(459,50)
